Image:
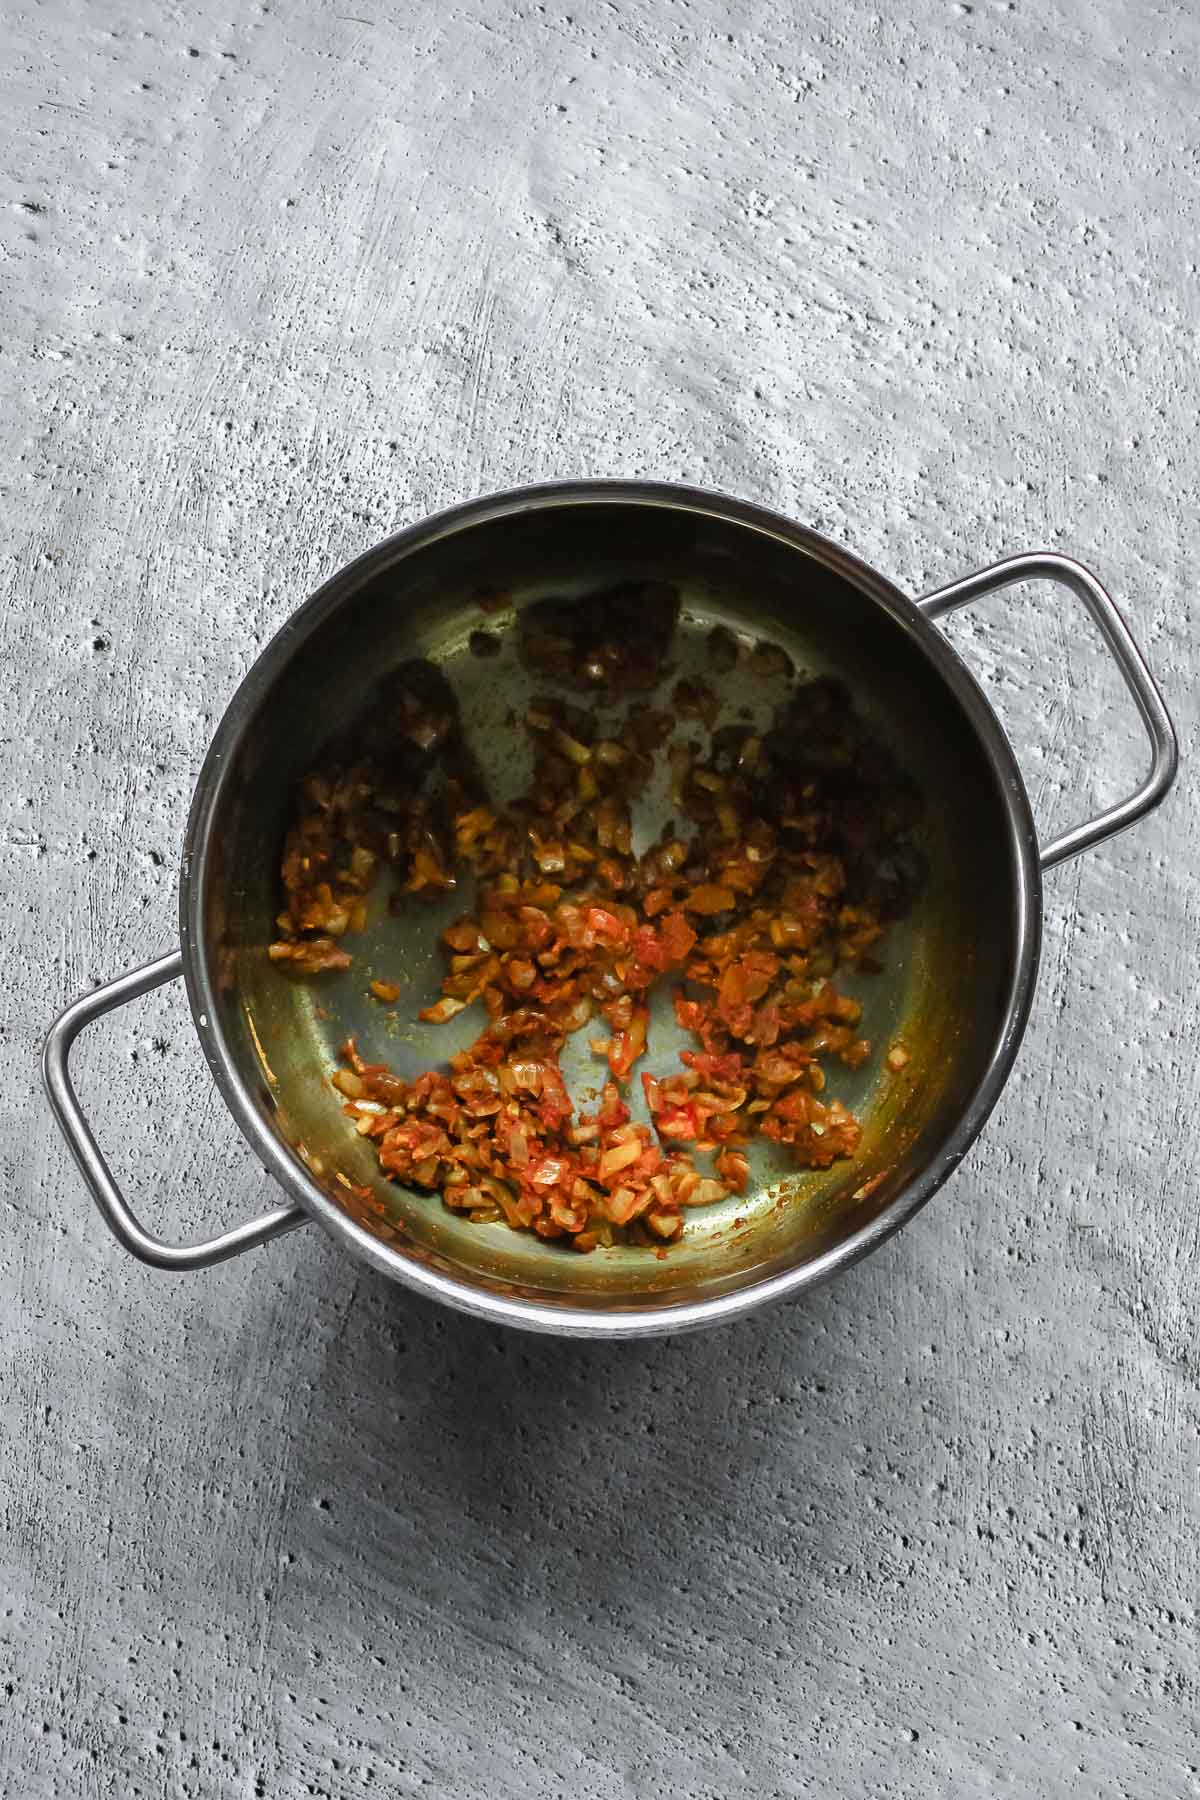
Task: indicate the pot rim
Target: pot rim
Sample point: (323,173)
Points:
(570,1319)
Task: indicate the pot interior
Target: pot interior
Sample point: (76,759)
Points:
(951,989)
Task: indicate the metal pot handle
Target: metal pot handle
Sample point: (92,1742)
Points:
(115,1210)
(1047,566)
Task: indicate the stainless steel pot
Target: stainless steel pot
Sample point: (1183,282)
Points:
(960,974)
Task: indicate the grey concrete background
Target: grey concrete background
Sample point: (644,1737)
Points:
(280,277)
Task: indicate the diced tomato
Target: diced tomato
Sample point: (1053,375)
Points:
(555,1104)
(729,1067)
(678,1122)
(648,949)
(678,938)
(738,1020)
(571,926)
(606,926)
(689,1013)
(796,1106)
(536,928)
(613,1110)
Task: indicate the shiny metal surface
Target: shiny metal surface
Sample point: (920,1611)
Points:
(118,1215)
(959,978)
(1164,746)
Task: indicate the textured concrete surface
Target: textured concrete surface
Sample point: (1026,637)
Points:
(280,277)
